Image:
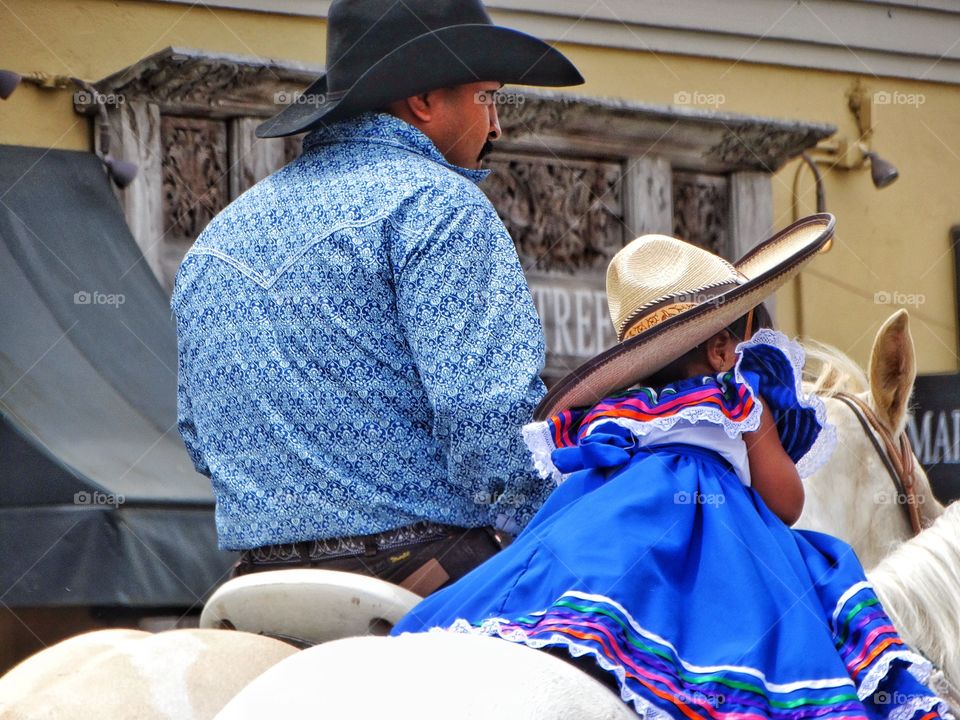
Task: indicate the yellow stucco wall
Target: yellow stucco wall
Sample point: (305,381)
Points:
(893,241)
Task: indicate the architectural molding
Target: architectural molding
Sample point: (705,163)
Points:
(198,82)
(704,140)
(878,38)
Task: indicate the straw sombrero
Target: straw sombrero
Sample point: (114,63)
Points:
(667,296)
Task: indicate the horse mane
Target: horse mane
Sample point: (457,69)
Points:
(829,371)
(918,584)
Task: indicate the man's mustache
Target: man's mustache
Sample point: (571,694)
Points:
(486,150)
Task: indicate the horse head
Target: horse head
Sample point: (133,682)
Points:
(853,495)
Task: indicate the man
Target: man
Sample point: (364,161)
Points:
(358,347)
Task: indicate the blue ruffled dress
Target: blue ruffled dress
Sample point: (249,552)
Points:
(655,558)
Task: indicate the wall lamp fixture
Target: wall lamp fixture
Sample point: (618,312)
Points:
(122,172)
(844,154)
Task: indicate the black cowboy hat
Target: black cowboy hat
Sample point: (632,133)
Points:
(380,51)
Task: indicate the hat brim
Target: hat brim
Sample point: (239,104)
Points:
(767,267)
(450,56)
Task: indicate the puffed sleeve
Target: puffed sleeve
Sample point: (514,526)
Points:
(771,365)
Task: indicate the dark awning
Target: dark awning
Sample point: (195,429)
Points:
(99,503)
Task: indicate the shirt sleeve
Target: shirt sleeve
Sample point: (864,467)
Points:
(478,344)
(185,423)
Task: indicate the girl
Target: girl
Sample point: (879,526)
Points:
(664,561)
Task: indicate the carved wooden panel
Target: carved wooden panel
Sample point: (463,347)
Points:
(701,210)
(251,158)
(194,182)
(564,215)
(195,163)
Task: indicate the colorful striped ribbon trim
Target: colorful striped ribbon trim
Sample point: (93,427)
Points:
(732,399)
(651,673)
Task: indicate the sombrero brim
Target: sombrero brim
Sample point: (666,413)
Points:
(450,56)
(767,267)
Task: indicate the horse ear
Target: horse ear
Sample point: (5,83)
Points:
(893,370)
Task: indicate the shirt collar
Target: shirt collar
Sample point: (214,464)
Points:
(388,130)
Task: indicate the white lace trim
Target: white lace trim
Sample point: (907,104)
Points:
(495,627)
(822,448)
(920,703)
(771,686)
(540,444)
(643,707)
(917,665)
(539,439)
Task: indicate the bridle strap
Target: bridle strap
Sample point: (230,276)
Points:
(897,455)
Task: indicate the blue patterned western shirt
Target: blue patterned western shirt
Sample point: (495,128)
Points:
(358,348)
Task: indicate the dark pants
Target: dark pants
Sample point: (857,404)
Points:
(457,550)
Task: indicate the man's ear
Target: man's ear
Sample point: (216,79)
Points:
(719,350)
(420,106)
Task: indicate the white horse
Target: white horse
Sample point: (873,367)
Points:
(919,586)
(135,675)
(428,676)
(419,676)
(853,497)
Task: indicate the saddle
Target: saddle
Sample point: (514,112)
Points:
(307,607)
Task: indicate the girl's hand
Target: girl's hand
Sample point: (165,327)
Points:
(773,474)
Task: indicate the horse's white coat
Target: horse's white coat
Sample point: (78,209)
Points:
(431,676)
(168,690)
(919,586)
(852,496)
(42,675)
(134,675)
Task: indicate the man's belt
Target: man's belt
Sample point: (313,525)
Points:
(350,546)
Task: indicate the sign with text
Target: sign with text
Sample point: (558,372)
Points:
(934,430)
(576,322)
